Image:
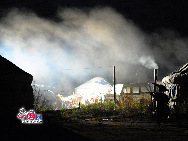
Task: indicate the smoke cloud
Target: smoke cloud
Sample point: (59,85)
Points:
(148,62)
(83,45)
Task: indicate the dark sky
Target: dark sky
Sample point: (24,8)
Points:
(148,15)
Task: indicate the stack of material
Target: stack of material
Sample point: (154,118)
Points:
(177,84)
(179,76)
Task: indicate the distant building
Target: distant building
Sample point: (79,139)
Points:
(110,96)
(93,90)
(98,89)
(15,89)
(118,89)
(137,90)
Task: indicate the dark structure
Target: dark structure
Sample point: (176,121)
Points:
(160,100)
(15,89)
(177,85)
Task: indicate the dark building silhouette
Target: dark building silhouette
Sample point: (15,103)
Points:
(15,89)
(177,85)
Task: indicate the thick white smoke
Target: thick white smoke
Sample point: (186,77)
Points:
(67,53)
(148,62)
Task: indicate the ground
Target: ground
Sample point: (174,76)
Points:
(60,128)
(106,130)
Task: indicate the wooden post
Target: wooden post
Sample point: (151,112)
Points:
(155,90)
(155,79)
(114,70)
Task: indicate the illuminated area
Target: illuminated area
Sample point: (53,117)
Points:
(93,90)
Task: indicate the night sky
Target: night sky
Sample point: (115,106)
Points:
(148,15)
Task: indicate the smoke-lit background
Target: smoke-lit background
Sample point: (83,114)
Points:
(86,43)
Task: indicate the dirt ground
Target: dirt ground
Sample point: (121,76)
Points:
(59,128)
(107,130)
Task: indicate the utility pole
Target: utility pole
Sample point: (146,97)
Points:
(155,79)
(114,74)
(155,91)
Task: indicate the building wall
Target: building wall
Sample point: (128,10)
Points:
(137,91)
(15,95)
(15,90)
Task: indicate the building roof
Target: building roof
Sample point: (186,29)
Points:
(180,76)
(94,82)
(10,72)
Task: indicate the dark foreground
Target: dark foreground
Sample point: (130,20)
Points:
(45,131)
(106,130)
(92,129)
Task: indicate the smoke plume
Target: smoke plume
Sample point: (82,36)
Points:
(83,45)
